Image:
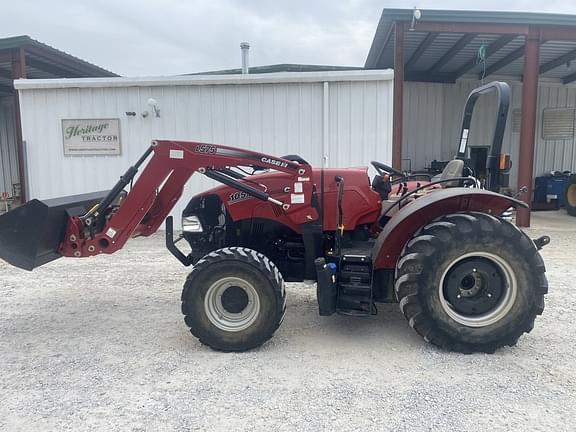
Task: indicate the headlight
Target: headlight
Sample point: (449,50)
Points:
(191,224)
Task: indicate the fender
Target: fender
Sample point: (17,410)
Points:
(400,229)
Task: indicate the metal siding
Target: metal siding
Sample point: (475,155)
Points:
(277,118)
(423,115)
(554,154)
(422,137)
(8,146)
(443,42)
(558,123)
(360,123)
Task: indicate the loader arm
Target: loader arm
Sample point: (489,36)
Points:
(107,227)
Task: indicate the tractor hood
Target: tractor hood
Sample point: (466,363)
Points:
(280,185)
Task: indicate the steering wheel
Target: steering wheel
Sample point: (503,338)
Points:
(385,169)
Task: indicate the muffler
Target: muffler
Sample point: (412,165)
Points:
(30,235)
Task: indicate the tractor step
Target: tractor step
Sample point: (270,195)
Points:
(355,285)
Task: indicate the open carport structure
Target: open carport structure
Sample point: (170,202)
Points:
(453,51)
(24,57)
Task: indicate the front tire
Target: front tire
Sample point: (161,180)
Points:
(471,282)
(234,299)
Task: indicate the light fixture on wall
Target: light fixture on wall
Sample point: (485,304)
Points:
(152,103)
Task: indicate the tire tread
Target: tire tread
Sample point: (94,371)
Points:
(433,236)
(247,256)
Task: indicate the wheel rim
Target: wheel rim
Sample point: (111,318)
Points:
(232,304)
(571,195)
(478,289)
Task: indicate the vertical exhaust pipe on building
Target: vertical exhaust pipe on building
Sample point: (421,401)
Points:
(245,48)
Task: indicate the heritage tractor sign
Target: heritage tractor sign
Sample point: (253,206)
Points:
(91,137)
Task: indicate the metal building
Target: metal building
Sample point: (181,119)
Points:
(333,117)
(438,56)
(24,57)
(339,118)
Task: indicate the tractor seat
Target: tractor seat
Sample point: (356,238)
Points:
(453,169)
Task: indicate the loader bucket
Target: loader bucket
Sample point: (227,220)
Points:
(30,235)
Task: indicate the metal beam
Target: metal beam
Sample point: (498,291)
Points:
(505,61)
(528,122)
(60,72)
(452,52)
(6,89)
(18,63)
(430,37)
(438,77)
(513,56)
(558,33)
(476,28)
(5,56)
(19,71)
(563,59)
(495,46)
(5,74)
(569,78)
(64,63)
(385,44)
(398,108)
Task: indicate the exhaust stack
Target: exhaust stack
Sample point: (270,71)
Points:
(245,48)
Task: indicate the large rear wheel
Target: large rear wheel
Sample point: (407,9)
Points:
(471,282)
(234,299)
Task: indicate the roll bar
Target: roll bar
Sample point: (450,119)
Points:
(503,89)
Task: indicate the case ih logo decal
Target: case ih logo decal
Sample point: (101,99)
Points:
(205,148)
(235,197)
(274,162)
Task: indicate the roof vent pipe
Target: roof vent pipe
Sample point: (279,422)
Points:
(245,48)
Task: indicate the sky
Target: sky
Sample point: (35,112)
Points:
(171,37)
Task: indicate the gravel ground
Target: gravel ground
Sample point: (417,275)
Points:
(100,344)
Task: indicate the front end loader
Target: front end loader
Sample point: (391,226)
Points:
(465,278)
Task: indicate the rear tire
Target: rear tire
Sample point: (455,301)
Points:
(470,282)
(234,299)
(571,195)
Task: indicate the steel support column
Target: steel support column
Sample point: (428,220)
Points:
(398,111)
(528,122)
(19,71)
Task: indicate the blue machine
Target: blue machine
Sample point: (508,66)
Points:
(548,188)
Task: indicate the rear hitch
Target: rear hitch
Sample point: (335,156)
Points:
(540,242)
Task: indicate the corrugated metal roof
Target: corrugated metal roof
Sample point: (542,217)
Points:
(463,62)
(477,16)
(53,55)
(43,61)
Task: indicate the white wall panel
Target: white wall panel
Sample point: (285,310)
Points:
(360,123)
(279,117)
(423,114)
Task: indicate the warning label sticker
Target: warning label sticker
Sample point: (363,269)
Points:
(297,198)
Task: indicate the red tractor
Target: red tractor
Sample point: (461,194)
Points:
(465,278)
